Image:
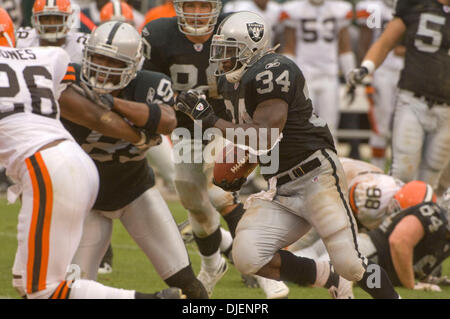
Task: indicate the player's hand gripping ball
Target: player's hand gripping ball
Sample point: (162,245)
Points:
(232,168)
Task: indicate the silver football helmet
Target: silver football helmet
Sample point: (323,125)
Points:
(194,23)
(119,41)
(241,40)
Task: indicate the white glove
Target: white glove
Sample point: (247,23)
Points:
(423,286)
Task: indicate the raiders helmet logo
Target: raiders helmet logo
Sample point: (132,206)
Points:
(256,31)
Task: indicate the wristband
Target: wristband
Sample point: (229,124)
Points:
(154,117)
(369,65)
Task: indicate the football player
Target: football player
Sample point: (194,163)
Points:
(317,38)
(52,22)
(385,79)
(270,10)
(307,186)
(411,242)
(117,10)
(421,131)
(179,47)
(127,191)
(55,178)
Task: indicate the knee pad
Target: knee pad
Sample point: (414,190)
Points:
(219,198)
(246,257)
(193,197)
(344,256)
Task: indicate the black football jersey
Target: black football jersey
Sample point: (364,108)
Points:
(427,40)
(276,77)
(186,63)
(429,253)
(123,169)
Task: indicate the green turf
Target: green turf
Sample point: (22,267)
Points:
(132,270)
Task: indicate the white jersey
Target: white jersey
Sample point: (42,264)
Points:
(370,191)
(30,87)
(271,15)
(317,30)
(368,13)
(75,42)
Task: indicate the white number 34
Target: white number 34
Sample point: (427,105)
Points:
(266,77)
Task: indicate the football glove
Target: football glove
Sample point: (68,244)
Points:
(105,101)
(194,105)
(356,76)
(233,186)
(148,141)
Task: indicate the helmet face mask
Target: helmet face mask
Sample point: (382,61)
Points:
(52,22)
(197,18)
(110,65)
(241,40)
(228,54)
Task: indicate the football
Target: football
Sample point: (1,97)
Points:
(233,163)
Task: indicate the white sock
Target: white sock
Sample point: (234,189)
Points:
(322,272)
(227,240)
(211,263)
(89,289)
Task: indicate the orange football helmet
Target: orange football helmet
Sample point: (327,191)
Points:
(48,28)
(7,38)
(412,194)
(117,10)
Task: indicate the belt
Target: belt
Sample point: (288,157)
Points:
(298,171)
(429,101)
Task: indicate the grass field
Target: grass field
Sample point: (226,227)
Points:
(132,270)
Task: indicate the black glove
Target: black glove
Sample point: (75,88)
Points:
(356,76)
(231,187)
(194,105)
(105,101)
(148,141)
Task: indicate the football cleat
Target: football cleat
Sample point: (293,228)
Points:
(185,230)
(273,289)
(210,279)
(344,289)
(170,293)
(105,269)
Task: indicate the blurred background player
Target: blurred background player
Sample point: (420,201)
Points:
(180,48)
(90,15)
(127,191)
(117,10)
(165,10)
(421,127)
(382,92)
(54,201)
(317,39)
(52,22)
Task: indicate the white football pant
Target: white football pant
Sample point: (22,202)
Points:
(421,139)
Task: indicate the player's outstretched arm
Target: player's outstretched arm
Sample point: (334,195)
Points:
(82,111)
(378,51)
(388,40)
(406,235)
(143,115)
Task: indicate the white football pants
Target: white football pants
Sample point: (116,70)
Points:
(421,139)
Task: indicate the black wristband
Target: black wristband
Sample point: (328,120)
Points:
(153,118)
